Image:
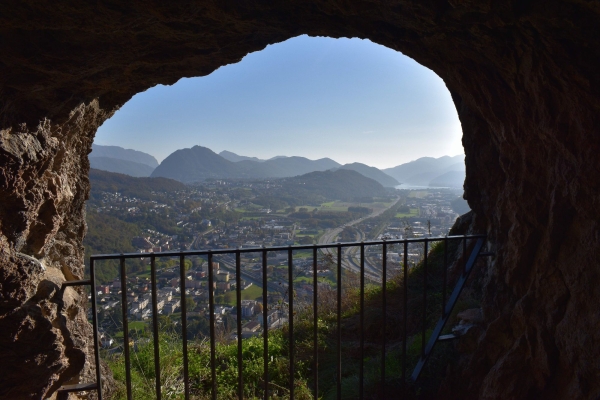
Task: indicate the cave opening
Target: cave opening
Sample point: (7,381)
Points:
(156,115)
(522,77)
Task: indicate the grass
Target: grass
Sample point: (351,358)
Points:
(335,206)
(413,213)
(302,253)
(252,292)
(137,325)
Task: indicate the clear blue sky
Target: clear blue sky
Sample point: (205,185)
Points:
(347,99)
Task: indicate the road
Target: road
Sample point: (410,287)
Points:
(348,258)
(193,244)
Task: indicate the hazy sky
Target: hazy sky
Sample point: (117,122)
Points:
(346,99)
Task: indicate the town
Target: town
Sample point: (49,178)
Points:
(234,215)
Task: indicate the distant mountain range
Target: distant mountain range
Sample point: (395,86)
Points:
(199,163)
(125,161)
(429,171)
(228,155)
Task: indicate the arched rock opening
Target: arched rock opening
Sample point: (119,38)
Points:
(523,78)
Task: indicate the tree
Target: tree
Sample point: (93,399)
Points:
(190,304)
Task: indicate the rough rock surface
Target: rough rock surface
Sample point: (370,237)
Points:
(523,75)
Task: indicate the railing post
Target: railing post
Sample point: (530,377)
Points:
(155,336)
(95,327)
(339,322)
(315,325)
(384,313)
(445,278)
(424,329)
(291,318)
(238,284)
(361,372)
(211,310)
(405,316)
(125,327)
(182,281)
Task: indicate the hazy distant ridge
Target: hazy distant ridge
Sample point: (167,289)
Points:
(425,171)
(373,173)
(123,154)
(230,156)
(282,166)
(116,165)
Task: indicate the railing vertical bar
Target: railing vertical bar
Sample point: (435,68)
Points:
(182,281)
(265,326)
(155,326)
(361,372)
(211,310)
(291,318)
(384,313)
(238,286)
(315,326)
(125,326)
(424,328)
(95,326)
(465,257)
(445,279)
(339,322)
(405,316)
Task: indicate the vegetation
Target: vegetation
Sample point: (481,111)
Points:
(278,361)
(107,234)
(142,188)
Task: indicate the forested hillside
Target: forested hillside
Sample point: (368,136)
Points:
(103,181)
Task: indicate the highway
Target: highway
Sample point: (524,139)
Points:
(349,260)
(349,253)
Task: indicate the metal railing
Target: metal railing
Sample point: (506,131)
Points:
(341,256)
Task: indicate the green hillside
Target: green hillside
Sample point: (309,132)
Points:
(104,181)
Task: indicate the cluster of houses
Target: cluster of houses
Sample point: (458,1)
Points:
(139,299)
(168,296)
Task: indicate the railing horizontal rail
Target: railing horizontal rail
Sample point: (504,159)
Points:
(338,259)
(177,253)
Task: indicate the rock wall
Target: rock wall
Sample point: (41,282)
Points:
(44,334)
(524,79)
